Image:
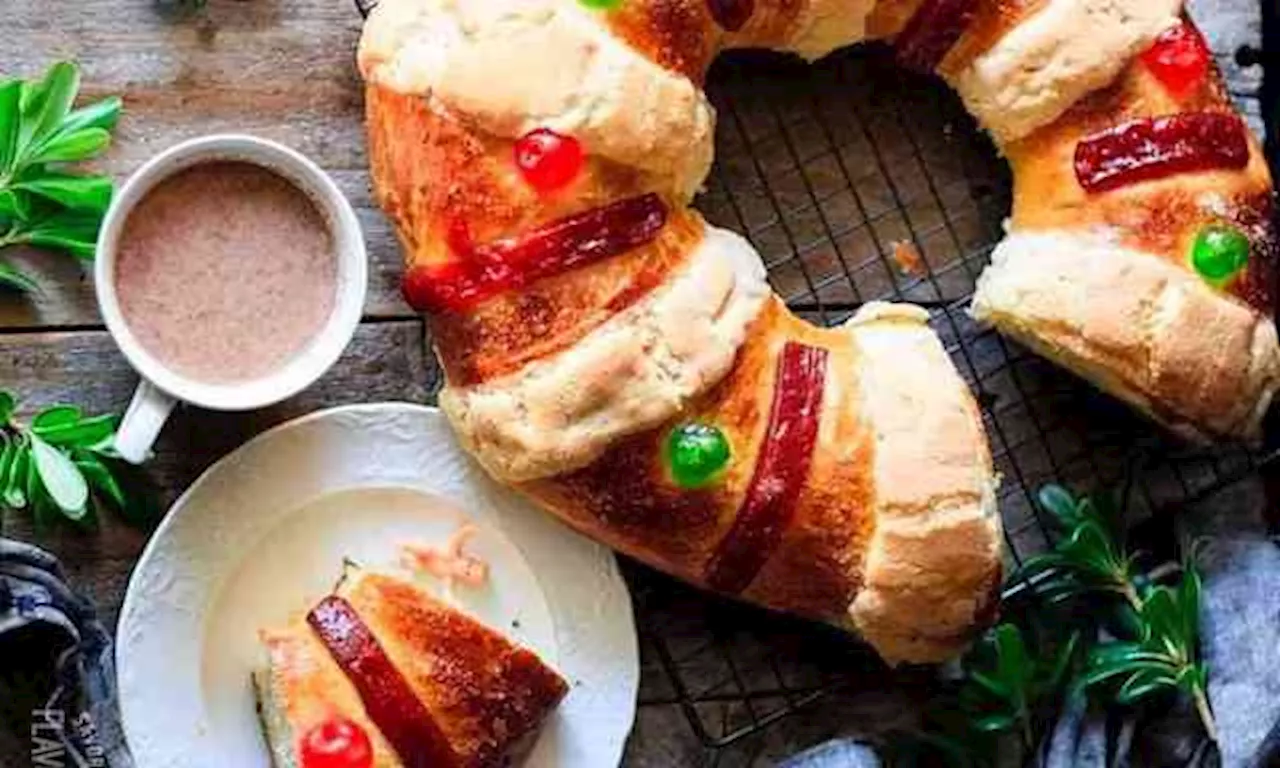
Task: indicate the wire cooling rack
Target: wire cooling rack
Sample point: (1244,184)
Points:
(832,170)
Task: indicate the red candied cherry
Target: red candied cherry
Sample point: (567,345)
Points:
(1179,59)
(336,743)
(548,160)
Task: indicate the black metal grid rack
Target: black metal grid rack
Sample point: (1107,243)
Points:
(827,169)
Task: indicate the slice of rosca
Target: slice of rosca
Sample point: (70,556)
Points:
(380,674)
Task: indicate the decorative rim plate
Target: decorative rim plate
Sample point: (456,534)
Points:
(262,534)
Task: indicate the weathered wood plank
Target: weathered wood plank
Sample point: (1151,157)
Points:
(386,361)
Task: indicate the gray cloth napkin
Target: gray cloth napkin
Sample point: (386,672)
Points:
(57,676)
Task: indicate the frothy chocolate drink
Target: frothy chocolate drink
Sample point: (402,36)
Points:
(225,271)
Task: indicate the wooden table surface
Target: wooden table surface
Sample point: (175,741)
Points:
(284,70)
(281,69)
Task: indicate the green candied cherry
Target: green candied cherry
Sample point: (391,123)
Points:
(1220,252)
(601,5)
(695,454)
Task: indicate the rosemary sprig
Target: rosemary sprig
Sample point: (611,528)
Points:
(42,203)
(1089,557)
(1132,642)
(62,465)
(1156,645)
(1164,656)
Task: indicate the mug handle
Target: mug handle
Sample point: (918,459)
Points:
(147,413)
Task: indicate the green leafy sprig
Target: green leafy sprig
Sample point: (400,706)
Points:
(1155,650)
(62,465)
(1129,641)
(1006,698)
(42,202)
(1010,683)
(1089,556)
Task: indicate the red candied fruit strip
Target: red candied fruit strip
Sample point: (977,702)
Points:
(932,32)
(731,15)
(780,471)
(1153,148)
(485,270)
(403,720)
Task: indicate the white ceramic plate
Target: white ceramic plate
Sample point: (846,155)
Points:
(262,534)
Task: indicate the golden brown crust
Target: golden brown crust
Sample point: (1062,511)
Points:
(511,67)
(881,422)
(485,693)
(1103,282)
(1052,58)
(1160,217)
(633,372)
(679,35)
(433,169)
(570,388)
(626,497)
(1142,328)
(505,333)
(932,565)
(991,22)
(890,17)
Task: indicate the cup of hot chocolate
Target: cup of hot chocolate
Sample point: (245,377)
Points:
(231,272)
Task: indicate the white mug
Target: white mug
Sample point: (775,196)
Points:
(161,387)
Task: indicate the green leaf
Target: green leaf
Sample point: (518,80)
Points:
(8,404)
(1062,663)
(142,507)
(38,500)
(14,492)
(99,476)
(8,209)
(1121,653)
(999,721)
(1012,661)
(7,455)
(81,225)
(1059,501)
(103,114)
(77,192)
(10,122)
(997,688)
(21,203)
(72,147)
(11,277)
(1142,685)
(30,103)
(57,92)
(81,249)
(83,433)
(73,231)
(1162,616)
(29,100)
(61,478)
(55,416)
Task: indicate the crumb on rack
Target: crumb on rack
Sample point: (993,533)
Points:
(907,256)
